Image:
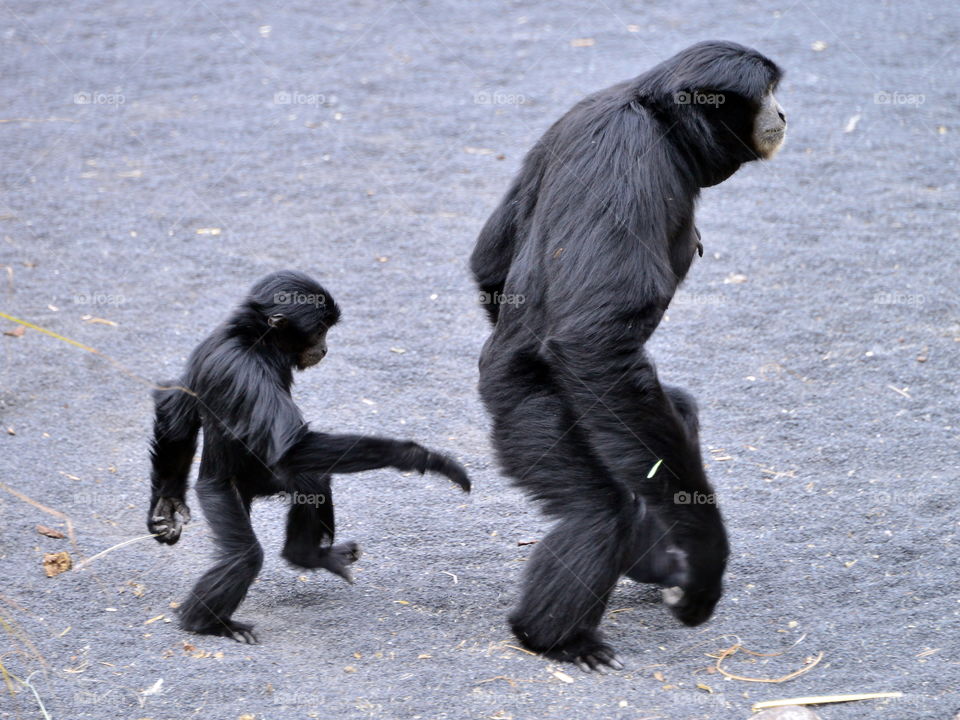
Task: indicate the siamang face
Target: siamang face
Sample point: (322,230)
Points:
(298,313)
(769,127)
(731,88)
(315,351)
(744,128)
(304,338)
(300,319)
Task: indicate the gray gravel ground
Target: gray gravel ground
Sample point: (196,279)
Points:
(819,331)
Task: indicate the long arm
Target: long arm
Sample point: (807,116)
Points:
(321,453)
(257,411)
(632,424)
(175,428)
(613,205)
(596,346)
(253,407)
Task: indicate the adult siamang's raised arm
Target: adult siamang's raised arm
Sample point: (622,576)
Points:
(322,453)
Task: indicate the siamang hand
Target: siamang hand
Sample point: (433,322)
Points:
(414,456)
(163,520)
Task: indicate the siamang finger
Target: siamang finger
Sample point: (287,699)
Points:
(181,507)
(597,665)
(166,534)
(164,522)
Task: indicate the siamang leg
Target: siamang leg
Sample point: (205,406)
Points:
(572,571)
(604,531)
(568,581)
(216,595)
(310,529)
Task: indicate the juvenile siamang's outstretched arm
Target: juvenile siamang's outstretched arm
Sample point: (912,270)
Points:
(331,454)
(175,430)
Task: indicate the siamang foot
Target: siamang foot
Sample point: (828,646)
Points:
(338,559)
(414,456)
(335,558)
(588,652)
(239,631)
(163,521)
(233,629)
(445,465)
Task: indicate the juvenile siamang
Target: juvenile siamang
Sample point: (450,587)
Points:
(256,443)
(577,266)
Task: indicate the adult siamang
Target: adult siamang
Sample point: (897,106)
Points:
(577,266)
(256,443)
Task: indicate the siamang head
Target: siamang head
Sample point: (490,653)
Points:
(293,312)
(722,95)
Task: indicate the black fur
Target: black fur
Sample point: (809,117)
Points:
(256,443)
(585,252)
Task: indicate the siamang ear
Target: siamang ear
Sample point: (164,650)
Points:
(277,321)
